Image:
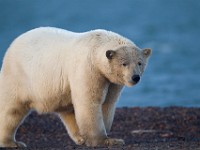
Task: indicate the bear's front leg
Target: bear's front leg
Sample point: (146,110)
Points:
(90,122)
(87,100)
(91,125)
(108,107)
(69,121)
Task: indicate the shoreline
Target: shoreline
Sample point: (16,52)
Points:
(140,127)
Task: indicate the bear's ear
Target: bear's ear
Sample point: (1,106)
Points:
(146,52)
(110,54)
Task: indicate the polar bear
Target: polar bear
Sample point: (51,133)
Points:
(77,75)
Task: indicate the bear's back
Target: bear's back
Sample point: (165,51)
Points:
(45,35)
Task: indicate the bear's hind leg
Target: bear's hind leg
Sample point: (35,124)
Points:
(11,114)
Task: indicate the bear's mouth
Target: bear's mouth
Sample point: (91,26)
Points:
(131,83)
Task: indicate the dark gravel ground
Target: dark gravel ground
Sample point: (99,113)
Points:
(147,128)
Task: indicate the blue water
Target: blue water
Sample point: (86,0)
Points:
(171,28)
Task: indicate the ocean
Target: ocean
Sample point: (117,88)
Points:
(171,28)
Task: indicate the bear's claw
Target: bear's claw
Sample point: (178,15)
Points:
(20,144)
(13,144)
(79,140)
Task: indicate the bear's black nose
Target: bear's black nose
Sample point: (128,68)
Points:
(136,78)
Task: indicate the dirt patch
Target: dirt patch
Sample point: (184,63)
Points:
(142,128)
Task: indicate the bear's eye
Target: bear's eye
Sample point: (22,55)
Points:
(124,64)
(139,63)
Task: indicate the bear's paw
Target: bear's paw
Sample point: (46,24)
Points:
(114,142)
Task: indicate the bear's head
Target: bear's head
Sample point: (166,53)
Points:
(126,65)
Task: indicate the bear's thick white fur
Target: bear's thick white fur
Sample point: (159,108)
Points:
(54,70)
